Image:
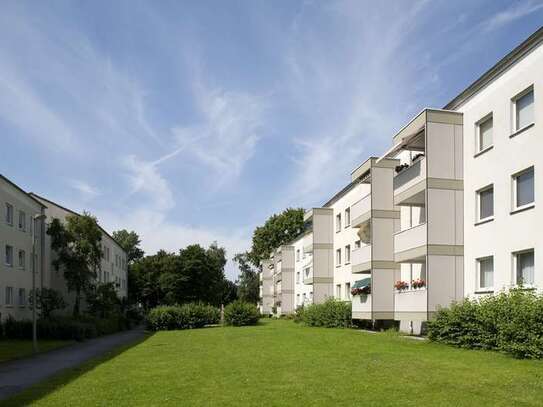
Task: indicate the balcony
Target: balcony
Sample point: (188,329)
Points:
(410,244)
(361,259)
(308,243)
(408,185)
(361,211)
(410,304)
(361,306)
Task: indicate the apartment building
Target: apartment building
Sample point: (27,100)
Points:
(21,242)
(266,289)
(303,289)
(113,268)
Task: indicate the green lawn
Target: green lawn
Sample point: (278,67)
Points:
(279,363)
(15,349)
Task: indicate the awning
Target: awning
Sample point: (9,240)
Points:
(365,282)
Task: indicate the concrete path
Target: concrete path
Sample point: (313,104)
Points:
(18,375)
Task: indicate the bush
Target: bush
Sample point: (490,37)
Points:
(331,314)
(186,316)
(509,322)
(239,313)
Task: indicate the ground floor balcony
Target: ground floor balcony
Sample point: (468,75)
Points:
(361,306)
(410,244)
(411,304)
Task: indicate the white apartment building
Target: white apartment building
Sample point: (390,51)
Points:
(18,226)
(113,268)
(266,289)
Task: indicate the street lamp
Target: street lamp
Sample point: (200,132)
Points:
(34,303)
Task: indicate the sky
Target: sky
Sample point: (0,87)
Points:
(194,121)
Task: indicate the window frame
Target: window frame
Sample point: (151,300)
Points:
(478,202)
(9,297)
(338,223)
(478,145)
(478,261)
(9,214)
(347,254)
(515,267)
(22,266)
(338,257)
(347,218)
(514,193)
(22,303)
(514,100)
(9,264)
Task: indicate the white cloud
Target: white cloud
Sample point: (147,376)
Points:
(512,13)
(86,190)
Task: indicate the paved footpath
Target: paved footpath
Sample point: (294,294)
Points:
(18,375)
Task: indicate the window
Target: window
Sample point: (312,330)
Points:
(357,244)
(297,277)
(523,188)
(338,222)
(22,259)
(485,267)
(524,267)
(298,255)
(485,198)
(524,109)
(347,254)
(484,133)
(347,217)
(297,299)
(22,297)
(338,291)
(338,257)
(22,221)
(307,272)
(9,255)
(9,295)
(304,297)
(9,214)
(348,291)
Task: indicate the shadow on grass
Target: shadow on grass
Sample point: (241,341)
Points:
(66,376)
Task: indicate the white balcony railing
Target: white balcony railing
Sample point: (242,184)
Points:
(410,301)
(410,176)
(361,255)
(360,208)
(410,238)
(361,304)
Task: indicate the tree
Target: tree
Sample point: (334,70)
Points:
(78,248)
(277,230)
(103,301)
(229,292)
(249,282)
(48,300)
(144,277)
(130,242)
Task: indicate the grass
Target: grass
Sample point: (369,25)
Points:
(279,363)
(16,349)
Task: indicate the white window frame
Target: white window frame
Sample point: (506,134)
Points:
(514,178)
(338,257)
(514,100)
(338,291)
(338,222)
(348,291)
(347,254)
(22,225)
(9,296)
(22,265)
(8,263)
(478,203)
(478,144)
(22,297)
(9,214)
(515,267)
(297,254)
(347,217)
(478,277)
(297,277)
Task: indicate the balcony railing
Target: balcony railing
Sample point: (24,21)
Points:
(360,211)
(410,238)
(410,176)
(361,306)
(410,301)
(361,256)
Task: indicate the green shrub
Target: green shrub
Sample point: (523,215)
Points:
(239,313)
(330,314)
(186,316)
(509,322)
(14,329)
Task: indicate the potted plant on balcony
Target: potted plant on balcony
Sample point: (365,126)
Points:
(401,167)
(418,283)
(401,285)
(417,157)
(361,291)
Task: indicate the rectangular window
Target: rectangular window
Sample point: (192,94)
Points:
(9,214)
(347,254)
(347,217)
(338,257)
(307,270)
(297,299)
(484,136)
(348,291)
(485,199)
(22,259)
(22,297)
(338,291)
(297,277)
(304,297)
(523,188)
(524,267)
(338,222)
(9,255)
(357,244)
(485,268)
(9,295)
(298,255)
(524,109)
(22,221)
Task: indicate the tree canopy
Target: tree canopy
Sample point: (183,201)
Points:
(248,281)
(277,230)
(130,242)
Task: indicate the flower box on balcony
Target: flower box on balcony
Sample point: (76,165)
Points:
(418,283)
(401,285)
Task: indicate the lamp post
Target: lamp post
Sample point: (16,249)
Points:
(34,302)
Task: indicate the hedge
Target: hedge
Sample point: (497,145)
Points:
(509,322)
(330,314)
(240,313)
(186,316)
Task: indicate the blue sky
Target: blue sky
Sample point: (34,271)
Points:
(195,121)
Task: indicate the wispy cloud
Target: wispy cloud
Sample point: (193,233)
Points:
(86,190)
(516,11)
